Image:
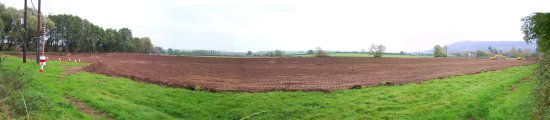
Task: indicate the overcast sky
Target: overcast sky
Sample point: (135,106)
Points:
(242,25)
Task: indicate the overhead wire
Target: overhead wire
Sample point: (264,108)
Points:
(48,7)
(32,3)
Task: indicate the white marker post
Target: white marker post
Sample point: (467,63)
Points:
(42,63)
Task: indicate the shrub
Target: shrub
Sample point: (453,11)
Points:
(12,86)
(542,89)
(15,101)
(536,28)
(197,88)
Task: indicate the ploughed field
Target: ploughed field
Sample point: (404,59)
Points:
(289,74)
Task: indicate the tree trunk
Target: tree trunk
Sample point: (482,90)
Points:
(10,44)
(2,43)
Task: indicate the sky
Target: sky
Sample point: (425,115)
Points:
(299,25)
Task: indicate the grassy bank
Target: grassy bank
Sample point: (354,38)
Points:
(503,94)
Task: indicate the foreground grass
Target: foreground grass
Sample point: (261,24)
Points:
(47,85)
(492,95)
(367,55)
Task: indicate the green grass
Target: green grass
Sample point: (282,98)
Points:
(485,95)
(367,55)
(47,85)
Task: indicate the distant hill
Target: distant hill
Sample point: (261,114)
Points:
(484,45)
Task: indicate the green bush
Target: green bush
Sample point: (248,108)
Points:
(542,89)
(536,28)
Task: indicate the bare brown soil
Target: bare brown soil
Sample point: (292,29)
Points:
(288,74)
(73,69)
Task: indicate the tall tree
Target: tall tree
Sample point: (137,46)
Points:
(439,51)
(377,50)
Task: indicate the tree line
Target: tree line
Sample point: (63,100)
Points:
(65,33)
(513,53)
(177,52)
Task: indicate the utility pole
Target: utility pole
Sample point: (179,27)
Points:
(25,34)
(38,34)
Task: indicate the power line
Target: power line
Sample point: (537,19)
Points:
(48,7)
(32,3)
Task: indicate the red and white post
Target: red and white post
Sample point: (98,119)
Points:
(42,63)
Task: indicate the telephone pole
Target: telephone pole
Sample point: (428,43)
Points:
(25,33)
(38,34)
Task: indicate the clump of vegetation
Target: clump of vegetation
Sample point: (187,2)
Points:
(536,28)
(386,83)
(15,102)
(2,59)
(310,52)
(320,53)
(481,54)
(377,50)
(197,88)
(440,51)
(275,53)
(357,86)
(542,89)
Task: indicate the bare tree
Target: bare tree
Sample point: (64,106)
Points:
(319,52)
(377,50)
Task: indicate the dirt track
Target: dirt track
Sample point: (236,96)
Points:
(290,74)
